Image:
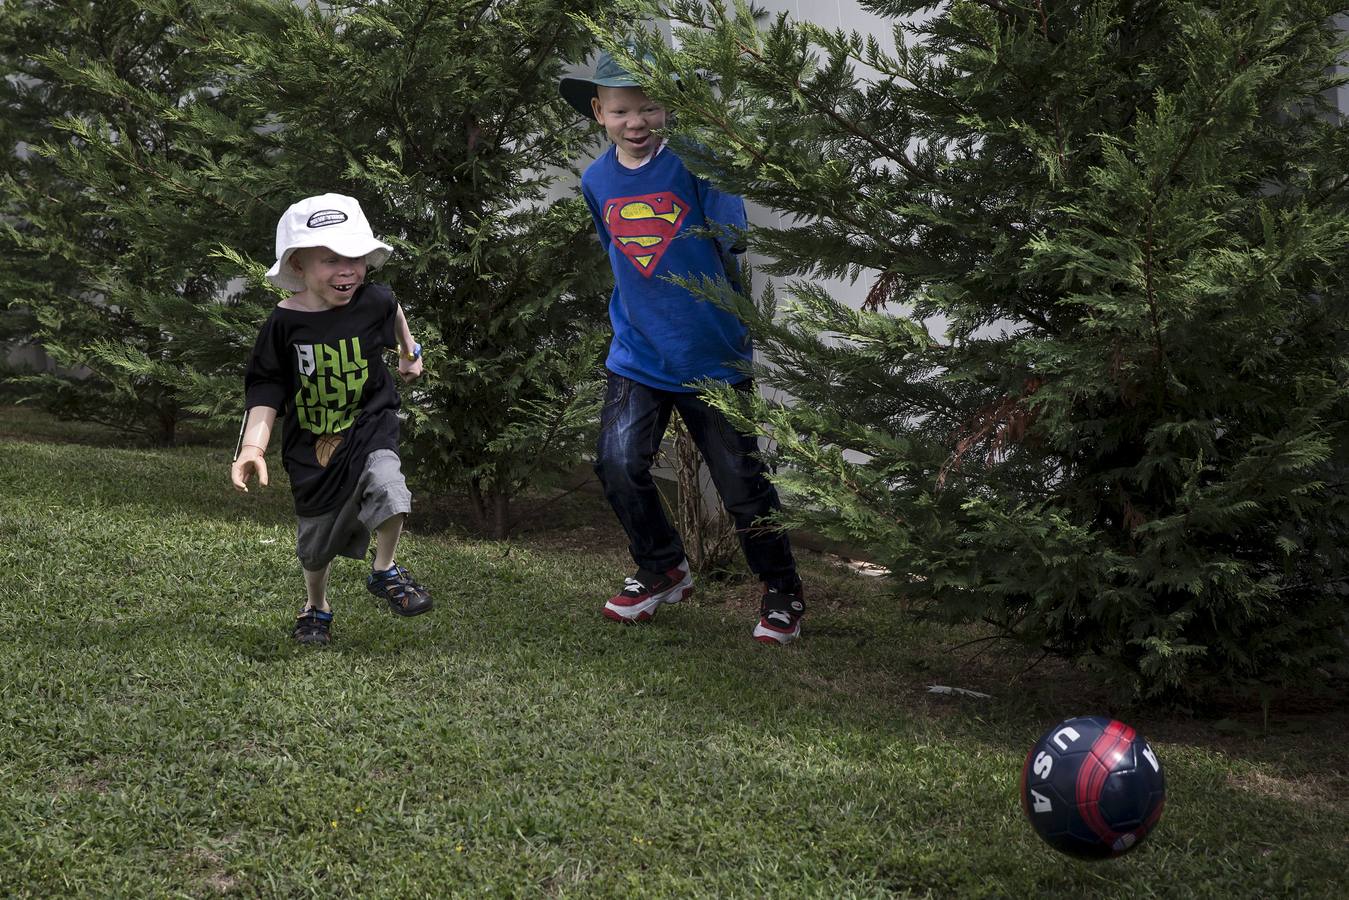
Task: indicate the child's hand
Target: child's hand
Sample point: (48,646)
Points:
(409,371)
(250,462)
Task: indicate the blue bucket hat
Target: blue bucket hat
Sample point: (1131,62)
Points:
(580,91)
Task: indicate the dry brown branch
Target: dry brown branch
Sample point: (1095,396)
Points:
(1000,426)
(883,291)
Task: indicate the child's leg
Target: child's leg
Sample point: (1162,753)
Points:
(385,503)
(742,481)
(315,622)
(386,541)
(316,588)
(631,427)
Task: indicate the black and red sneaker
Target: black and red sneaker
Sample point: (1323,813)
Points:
(644,592)
(780,617)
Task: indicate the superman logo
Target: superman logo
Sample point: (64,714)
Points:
(644,226)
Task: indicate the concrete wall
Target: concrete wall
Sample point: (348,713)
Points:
(1342,95)
(850,16)
(847,15)
(26,358)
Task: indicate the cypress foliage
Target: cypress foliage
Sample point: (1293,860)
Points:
(1096,395)
(171,135)
(444,120)
(108,228)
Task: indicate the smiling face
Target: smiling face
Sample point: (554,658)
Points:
(630,118)
(330,279)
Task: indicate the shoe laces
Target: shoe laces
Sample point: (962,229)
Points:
(395,572)
(777,607)
(396,577)
(635,586)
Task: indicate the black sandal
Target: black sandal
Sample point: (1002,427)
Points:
(405,596)
(313,626)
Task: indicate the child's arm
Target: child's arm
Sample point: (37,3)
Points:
(257,432)
(408,369)
(725,213)
(593,205)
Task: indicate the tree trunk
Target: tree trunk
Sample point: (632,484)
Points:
(479,507)
(710,541)
(492,508)
(501,520)
(168,428)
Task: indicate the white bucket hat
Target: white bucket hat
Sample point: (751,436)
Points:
(334,221)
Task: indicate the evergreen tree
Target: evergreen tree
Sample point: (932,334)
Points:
(1098,385)
(107,235)
(444,120)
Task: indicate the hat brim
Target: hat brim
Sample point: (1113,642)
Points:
(578,92)
(375,253)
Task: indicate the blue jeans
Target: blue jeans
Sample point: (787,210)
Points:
(631,427)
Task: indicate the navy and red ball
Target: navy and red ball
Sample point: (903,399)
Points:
(1092,787)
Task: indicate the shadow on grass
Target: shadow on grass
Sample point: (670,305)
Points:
(862,665)
(26,422)
(98,478)
(696,673)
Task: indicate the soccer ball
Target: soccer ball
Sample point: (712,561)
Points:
(1092,787)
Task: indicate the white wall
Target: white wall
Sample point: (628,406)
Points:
(850,16)
(1342,98)
(847,15)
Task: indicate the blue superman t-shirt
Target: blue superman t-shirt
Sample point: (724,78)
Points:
(647,219)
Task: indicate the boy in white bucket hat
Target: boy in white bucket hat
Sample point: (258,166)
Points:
(318,363)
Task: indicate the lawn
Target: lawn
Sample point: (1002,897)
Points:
(161,735)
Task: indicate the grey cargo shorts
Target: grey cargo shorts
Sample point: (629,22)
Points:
(380,493)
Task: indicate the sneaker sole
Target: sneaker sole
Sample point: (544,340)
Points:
(646,610)
(765,635)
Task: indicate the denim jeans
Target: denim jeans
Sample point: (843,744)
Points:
(631,427)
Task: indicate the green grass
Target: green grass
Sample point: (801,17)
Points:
(161,735)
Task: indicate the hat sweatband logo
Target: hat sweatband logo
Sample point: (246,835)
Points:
(326,217)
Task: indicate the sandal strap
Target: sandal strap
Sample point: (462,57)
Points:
(395,583)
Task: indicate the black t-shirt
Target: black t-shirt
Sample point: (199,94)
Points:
(324,373)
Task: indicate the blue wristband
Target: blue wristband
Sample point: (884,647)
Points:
(415,355)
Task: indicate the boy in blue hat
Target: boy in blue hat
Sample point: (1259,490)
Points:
(648,209)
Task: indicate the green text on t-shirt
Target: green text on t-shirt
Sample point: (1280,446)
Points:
(331,381)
